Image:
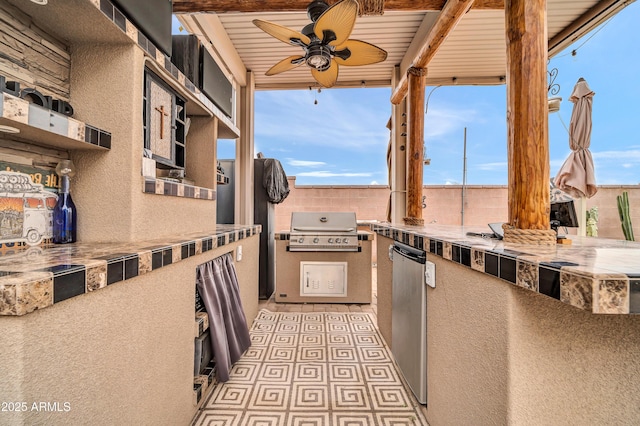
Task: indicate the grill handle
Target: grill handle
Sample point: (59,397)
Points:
(316,229)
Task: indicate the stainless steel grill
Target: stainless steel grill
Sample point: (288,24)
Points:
(323,231)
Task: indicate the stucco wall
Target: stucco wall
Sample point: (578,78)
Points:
(107,89)
(571,367)
(484,204)
(121,355)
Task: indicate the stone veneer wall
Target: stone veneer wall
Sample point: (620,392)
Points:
(485,204)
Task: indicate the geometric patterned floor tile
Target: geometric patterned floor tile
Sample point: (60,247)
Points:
(219,418)
(312,369)
(308,419)
(270,396)
(345,373)
(340,339)
(277,373)
(309,396)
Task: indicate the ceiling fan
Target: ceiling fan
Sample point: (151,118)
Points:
(325,42)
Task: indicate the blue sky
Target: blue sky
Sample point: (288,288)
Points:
(343,139)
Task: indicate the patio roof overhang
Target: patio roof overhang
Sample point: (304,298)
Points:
(428,42)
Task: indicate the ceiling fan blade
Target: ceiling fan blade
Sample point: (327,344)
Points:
(283,34)
(357,52)
(286,64)
(328,77)
(334,26)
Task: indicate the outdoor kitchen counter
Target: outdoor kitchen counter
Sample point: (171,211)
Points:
(595,274)
(37,277)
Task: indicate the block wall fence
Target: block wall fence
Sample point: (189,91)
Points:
(443,204)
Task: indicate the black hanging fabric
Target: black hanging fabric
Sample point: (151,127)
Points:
(275,181)
(217,284)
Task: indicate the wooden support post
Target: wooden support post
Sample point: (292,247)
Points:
(527,117)
(417,79)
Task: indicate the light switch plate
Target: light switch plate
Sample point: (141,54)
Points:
(430,274)
(239,254)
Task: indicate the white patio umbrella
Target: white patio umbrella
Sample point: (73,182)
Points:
(576,177)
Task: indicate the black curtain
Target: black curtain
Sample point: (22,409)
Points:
(217,283)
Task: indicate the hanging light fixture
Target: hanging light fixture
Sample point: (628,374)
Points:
(553,89)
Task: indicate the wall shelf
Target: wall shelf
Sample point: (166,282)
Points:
(46,127)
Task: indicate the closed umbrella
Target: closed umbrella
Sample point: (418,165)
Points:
(576,176)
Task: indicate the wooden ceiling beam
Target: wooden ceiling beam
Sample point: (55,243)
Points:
(451,14)
(221,6)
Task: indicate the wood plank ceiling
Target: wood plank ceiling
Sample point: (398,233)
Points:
(474,52)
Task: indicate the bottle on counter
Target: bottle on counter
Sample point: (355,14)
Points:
(64,213)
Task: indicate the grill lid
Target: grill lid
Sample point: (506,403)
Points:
(326,222)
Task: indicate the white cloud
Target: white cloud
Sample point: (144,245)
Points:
(373,182)
(333,124)
(626,155)
(493,166)
(326,174)
(304,163)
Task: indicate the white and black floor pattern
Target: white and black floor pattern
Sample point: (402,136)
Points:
(312,369)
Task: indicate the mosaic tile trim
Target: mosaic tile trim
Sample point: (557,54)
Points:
(572,274)
(26,113)
(315,368)
(112,12)
(33,278)
(175,189)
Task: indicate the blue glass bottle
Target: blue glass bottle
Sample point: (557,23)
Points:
(64,213)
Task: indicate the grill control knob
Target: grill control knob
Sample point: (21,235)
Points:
(346,240)
(300,240)
(330,240)
(316,240)
(337,240)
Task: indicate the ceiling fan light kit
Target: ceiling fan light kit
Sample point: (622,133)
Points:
(325,42)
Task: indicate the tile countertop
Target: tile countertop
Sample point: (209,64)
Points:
(37,277)
(595,274)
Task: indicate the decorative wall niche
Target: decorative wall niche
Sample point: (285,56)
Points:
(164,118)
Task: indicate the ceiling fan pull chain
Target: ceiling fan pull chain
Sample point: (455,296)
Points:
(371,7)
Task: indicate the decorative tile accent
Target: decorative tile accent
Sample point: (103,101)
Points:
(176,253)
(290,390)
(174,189)
(447,250)
(508,269)
(492,264)
(455,253)
(23,293)
(549,282)
(56,273)
(576,290)
(527,275)
(566,272)
(634,294)
(612,296)
(144,263)
(68,281)
(96,274)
